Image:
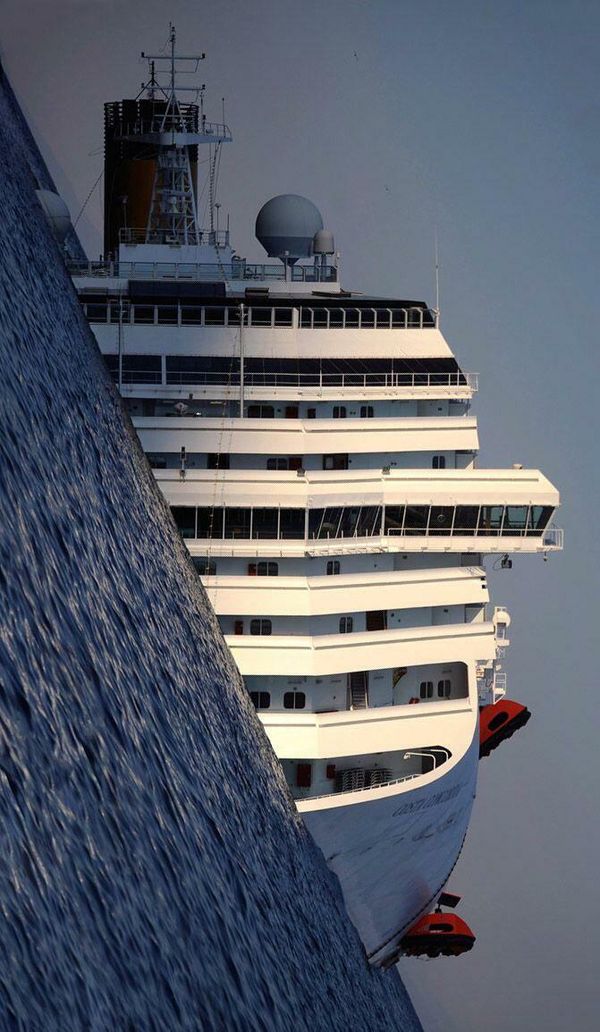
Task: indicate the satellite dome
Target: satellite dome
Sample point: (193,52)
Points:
(288,222)
(56,212)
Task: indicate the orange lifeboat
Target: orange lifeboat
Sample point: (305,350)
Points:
(438,935)
(498,722)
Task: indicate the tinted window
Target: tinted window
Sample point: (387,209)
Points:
(264,523)
(185,520)
(294,700)
(210,522)
(260,627)
(465,520)
(237,523)
(415,520)
(291,523)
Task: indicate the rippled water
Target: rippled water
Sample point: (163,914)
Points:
(153,872)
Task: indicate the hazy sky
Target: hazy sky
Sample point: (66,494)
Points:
(397,116)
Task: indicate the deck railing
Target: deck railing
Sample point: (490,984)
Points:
(218,272)
(125,313)
(301,380)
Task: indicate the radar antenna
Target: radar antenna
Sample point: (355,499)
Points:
(174,130)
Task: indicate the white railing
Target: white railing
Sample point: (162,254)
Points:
(320,380)
(218,272)
(554,538)
(124,312)
(365,788)
(366,318)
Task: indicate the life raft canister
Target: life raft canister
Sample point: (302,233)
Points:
(438,935)
(498,722)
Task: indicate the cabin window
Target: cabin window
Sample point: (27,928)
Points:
(346,624)
(333,567)
(215,461)
(266,569)
(490,520)
(515,520)
(426,690)
(339,411)
(260,700)
(210,522)
(465,520)
(261,412)
(206,567)
(291,524)
(415,520)
(440,519)
(291,412)
(237,523)
(538,518)
(185,520)
(285,462)
(311,413)
(238,627)
(394,518)
(294,700)
(439,462)
(157,461)
(260,627)
(264,523)
(366,411)
(335,462)
(444,689)
(377,620)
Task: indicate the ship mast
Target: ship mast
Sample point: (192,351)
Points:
(173,130)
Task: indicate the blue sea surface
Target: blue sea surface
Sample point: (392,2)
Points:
(154,874)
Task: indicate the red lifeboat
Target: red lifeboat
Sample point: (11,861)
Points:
(438,935)
(498,722)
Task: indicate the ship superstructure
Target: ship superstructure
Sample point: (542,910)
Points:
(318,451)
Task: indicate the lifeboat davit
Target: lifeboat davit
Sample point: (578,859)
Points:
(438,935)
(498,722)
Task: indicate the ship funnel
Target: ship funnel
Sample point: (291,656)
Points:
(286,227)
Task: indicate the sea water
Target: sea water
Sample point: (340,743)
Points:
(154,874)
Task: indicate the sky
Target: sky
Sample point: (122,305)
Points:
(403,119)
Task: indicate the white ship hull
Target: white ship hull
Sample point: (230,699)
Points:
(394,853)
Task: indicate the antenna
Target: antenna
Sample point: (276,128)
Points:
(437,277)
(173,130)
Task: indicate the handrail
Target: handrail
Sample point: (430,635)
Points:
(236,269)
(320,380)
(364,788)
(346,317)
(132,237)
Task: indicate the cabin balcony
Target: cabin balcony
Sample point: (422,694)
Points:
(273,596)
(310,780)
(321,655)
(307,437)
(358,733)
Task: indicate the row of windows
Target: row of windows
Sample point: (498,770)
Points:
(362,521)
(291,700)
(444,689)
(207,567)
(278,462)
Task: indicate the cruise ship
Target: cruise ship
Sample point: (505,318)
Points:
(318,451)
